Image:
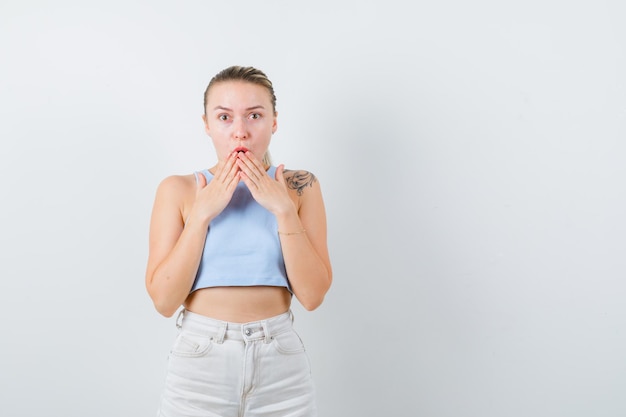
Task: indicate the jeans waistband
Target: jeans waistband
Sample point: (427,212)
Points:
(222,330)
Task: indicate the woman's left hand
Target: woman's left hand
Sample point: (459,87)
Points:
(269,192)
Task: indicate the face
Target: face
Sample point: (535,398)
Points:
(239,116)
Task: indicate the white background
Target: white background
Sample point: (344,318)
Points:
(471,156)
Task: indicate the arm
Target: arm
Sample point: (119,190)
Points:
(176,246)
(175,249)
(306,254)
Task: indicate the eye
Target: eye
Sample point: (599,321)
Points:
(223,117)
(255,116)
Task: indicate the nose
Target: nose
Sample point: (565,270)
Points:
(240,129)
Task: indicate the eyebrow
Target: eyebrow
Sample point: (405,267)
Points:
(248,109)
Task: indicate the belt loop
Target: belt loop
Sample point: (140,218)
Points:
(179,319)
(221,332)
(266,332)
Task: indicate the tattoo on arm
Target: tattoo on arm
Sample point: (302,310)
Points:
(299,180)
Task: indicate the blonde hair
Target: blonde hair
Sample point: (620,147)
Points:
(247,74)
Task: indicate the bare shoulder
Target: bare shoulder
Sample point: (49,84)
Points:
(176,190)
(177,184)
(300,180)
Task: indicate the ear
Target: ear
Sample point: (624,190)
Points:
(206,125)
(275,124)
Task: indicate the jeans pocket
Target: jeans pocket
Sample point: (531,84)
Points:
(288,343)
(191,345)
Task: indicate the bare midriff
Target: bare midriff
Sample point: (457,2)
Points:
(239,304)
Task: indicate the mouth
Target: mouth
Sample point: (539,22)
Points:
(241,149)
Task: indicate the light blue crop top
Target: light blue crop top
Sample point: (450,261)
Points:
(242,247)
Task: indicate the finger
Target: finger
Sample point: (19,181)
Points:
(247,168)
(231,168)
(233,178)
(227,169)
(279,175)
(200,181)
(252,162)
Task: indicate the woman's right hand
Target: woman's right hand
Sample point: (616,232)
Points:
(212,198)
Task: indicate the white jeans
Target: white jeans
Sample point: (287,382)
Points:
(221,369)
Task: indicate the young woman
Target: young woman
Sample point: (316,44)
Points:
(233,244)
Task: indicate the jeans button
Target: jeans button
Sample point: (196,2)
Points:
(248,332)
